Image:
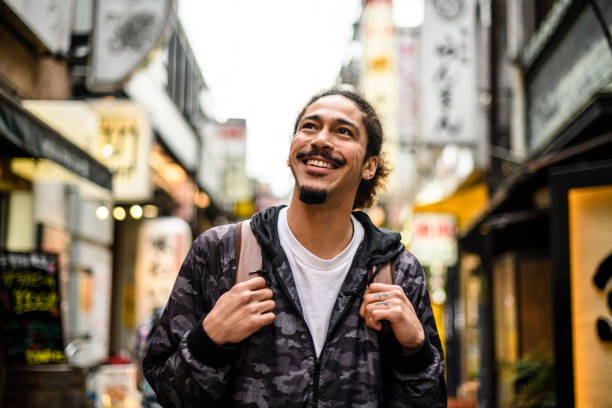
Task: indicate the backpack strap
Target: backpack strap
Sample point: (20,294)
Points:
(248,252)
(384,275)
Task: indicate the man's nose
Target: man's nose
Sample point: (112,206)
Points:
(322,139)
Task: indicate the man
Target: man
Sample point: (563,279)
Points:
(311,331)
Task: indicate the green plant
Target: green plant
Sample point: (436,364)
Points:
(534,381)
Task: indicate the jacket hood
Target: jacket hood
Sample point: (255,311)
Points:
(378,246)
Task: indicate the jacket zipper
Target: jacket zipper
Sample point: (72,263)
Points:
(317,367)
(343,312)
(315,383)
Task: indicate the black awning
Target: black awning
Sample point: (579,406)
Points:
(24,135)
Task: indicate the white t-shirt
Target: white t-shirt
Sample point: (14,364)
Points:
(318,281)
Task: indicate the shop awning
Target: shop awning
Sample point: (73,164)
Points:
(466,203)
(24,135)
(587,139)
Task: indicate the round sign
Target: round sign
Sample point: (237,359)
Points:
(449,9)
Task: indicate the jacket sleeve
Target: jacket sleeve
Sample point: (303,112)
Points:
(183,366)
(416,379)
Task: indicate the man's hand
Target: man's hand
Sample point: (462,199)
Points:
(240,312)
(389,302)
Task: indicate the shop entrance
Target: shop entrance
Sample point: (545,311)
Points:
(581,241)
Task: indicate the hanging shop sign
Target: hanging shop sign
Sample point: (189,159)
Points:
(29,305)
(124,34)
(50,21)
(434,239)
(116,132)
(449,72)
(123,145)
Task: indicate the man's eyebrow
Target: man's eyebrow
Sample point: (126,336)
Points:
(317,118)
(311,117)
(349,123)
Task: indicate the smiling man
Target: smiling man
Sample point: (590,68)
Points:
(313,329)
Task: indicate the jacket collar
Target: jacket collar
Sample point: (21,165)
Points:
(378,246)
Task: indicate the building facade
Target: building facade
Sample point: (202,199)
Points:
(543,242)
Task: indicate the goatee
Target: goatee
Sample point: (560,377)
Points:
(312,196)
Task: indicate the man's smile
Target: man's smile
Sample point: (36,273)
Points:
(322,160)
(319,163)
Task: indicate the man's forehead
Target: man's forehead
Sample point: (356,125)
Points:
(337,103)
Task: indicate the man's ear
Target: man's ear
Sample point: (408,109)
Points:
(368,170)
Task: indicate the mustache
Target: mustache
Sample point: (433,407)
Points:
(314,152)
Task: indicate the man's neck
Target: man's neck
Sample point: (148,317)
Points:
(323,229)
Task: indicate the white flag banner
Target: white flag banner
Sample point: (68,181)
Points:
(125,32)
(449,72)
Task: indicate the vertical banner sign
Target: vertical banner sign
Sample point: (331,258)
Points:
(231,135)
(449,72)
(408,70)
(29,304)
(379,79)
(125,32)
(162,245)
(590,245)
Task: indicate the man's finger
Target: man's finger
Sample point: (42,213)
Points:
(262,294)
(266,318)
(380,287)
(383,304)
(372,322)
(265,306)
(370,296)
(254,283)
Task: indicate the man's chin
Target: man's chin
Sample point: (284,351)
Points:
(313,196)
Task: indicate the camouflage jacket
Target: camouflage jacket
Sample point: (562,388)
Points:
(277,366)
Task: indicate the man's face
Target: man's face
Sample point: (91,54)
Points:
(328,149)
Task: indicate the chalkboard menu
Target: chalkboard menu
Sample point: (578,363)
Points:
(29,304)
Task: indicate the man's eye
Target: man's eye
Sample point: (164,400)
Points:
(345,131)
(308,125)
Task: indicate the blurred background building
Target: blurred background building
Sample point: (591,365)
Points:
(497,116)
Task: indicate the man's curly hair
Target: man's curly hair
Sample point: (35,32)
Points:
(367,190)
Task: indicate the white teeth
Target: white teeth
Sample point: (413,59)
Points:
(319,163)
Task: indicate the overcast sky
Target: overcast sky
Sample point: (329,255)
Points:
(262,60)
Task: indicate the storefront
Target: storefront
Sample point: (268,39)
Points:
(456,285)
(539,244)
(49,192)
(542,240)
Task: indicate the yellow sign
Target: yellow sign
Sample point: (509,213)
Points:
(590,236)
